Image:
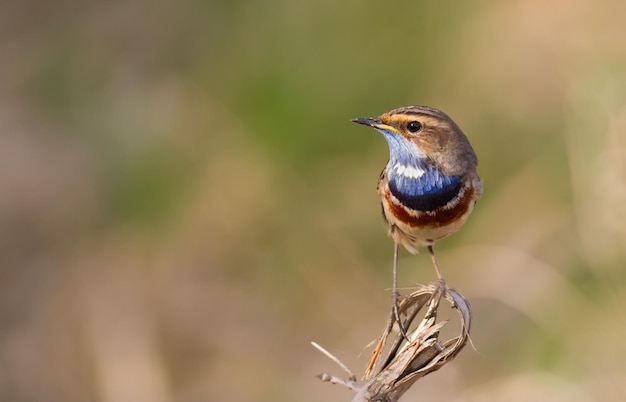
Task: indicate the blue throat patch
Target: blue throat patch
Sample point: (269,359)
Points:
(425,193)
(431,190)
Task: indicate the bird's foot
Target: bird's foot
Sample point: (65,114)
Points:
(395,314)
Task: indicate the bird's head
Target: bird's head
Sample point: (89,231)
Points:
(423,137)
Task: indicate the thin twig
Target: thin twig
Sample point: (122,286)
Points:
(332,357)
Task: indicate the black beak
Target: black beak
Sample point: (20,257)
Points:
(366,121)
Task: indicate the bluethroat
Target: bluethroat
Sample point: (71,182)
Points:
(430,185)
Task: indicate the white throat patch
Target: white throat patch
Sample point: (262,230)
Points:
(411,172)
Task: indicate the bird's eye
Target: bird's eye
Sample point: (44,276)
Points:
(414,126)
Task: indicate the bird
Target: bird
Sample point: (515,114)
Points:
(430,184)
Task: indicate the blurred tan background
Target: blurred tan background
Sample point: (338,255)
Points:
(184,204)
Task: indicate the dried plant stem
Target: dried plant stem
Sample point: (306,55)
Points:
(409,359)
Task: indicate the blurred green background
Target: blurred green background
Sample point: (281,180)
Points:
(184,204)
